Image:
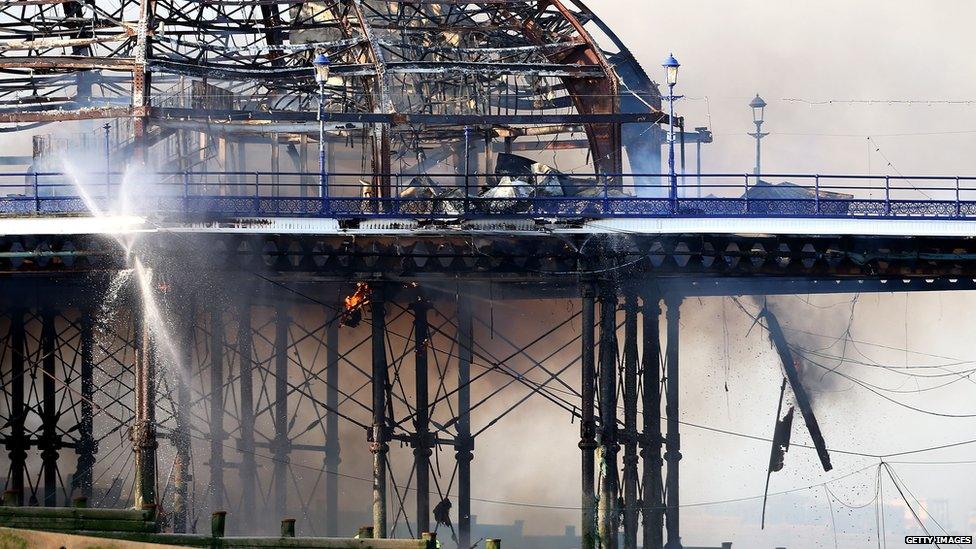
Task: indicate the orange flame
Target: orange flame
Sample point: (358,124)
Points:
(354,303)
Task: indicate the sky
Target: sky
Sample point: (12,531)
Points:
(797,54)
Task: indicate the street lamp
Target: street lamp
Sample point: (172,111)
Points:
(671,67)
(321,64)
(758,112)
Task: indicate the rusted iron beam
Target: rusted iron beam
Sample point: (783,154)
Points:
(88,113)
(65,62)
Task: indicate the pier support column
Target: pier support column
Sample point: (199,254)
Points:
(587,442)
(608,511)
(87,446)
(464,446)
(281,445)
(378,436)
(651,441)
(422,443)
(216,411)
(182,477)
(630,420)
(672,453)
(248,470)
(332,447)
(143,430)
(17,444)
(50,442)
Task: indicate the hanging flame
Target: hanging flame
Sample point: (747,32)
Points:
(354,303)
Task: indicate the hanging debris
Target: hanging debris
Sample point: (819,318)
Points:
(781,445)
(799,393)
(352,312)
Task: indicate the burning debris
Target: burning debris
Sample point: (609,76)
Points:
(516,180)
(352,311)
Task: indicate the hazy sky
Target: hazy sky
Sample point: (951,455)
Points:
(818,51)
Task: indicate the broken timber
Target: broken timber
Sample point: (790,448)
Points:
(799,393)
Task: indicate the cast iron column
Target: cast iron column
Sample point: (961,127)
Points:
(143,430)
(332,447)
(248,470)
(609,514)
(87,447)
(281,446)
(673,443)
(17,444)
(651,441)
(379,432)
(465,444)
(630,420)
(422,451)
(587,442)
(216,410)
(50,442)
(182,477)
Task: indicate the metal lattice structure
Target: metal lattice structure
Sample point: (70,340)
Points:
(406,77)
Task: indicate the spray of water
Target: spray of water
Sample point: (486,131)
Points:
(122,205)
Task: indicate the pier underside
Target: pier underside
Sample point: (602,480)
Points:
(281,375)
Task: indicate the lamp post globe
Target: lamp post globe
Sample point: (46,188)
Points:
(758,109)
(321,63)
(671,66)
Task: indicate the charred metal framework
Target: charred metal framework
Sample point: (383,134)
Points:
(193,84)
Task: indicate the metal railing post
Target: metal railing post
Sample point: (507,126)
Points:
(745,193)
(958,205)
(37,196)
(887,195)
(396,196)
(257,193)
(816,193)
(606,197)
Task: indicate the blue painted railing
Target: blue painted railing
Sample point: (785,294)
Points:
(216,195)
